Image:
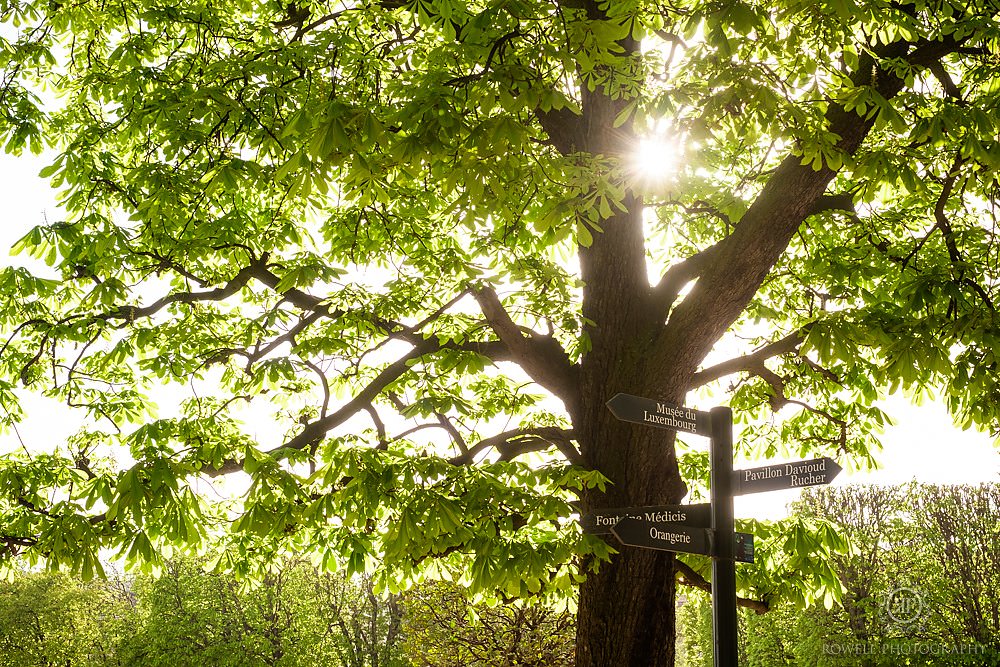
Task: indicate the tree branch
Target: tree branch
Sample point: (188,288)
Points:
(316,306)
(498,48)
(541,357)
(941,219)
(383,441)
(677,276)
(326,388)
(691,578)
(293,295)
(943,222)
(750,362)
(790,195)
(303,27)
(261,351)
(563,127)
(843,201)
(456,435)
(313,432)
(514,443)
(132,313)
(947,83)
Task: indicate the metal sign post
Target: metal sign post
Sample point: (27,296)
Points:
(724,622)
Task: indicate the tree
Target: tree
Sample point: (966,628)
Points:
(50,619)
(294,617)
(937,545)
(374,223)
(297,617)
(883,538)
(367,626)
(194,618)
(959,527)
(694,631)
(444,629)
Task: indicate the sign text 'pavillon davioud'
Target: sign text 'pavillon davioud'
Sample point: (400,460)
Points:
(794,475)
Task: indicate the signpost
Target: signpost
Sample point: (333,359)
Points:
(704,529)
(637,532)
(601,521)
(725,629)
(792,475)
(646,411)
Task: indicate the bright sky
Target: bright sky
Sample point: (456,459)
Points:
(923,445)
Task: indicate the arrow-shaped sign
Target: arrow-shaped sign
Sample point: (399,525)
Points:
(635,532)
(785,476)
(650,412)
(600,521)
(664,536)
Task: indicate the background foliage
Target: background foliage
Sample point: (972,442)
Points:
(295,617)
(940,543)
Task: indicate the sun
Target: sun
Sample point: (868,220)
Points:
(655,159)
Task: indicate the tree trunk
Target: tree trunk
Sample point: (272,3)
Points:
(626,609)
(626,614)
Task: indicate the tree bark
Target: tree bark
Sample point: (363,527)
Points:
(626,609)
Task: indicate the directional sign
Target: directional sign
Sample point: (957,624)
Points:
(665,536)
(785,476)
(647,411)
(600,521)
(744,548)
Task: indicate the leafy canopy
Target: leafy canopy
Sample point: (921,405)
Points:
(359,239)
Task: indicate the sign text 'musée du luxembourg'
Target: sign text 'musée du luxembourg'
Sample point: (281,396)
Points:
(663,415)
(780,476)
(601,521)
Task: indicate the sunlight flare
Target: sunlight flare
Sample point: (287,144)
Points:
(655,159)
